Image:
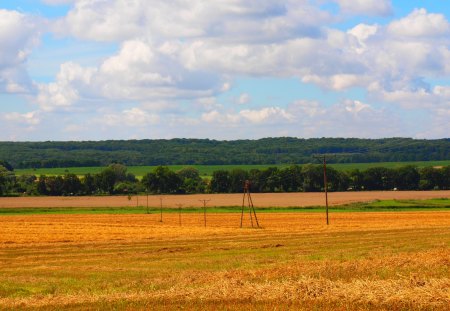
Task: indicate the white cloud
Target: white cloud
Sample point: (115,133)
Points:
(266,115)
(244,98)
(58,2)
(138,72)
(366,7)
(30,118)
(134,117)
(237,20)
(71,80)
(175,57)
(19,33)
(420,24)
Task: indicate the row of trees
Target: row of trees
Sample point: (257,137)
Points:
(309,178)
(281,150)
(115,179)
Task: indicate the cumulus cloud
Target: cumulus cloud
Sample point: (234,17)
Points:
(30,118)
(420,23)
(119,20)
(265,115)
(210,42)
(175,57)
(134,117)
(366,7)
(138,72)
(19,33)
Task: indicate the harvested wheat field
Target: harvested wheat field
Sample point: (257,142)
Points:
(259,199)
(362,261)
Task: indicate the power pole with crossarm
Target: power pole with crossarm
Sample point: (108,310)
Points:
(325,183)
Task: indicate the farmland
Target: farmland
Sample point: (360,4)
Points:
(207,170)
(264,200)
(392,260)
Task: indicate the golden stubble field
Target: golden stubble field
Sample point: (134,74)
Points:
(361,261)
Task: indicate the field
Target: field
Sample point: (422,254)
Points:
(396,260)
(207,170)
(297,199)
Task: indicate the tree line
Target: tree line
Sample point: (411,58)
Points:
(281,150)
(115,179)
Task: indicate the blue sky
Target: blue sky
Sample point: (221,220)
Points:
(90,70)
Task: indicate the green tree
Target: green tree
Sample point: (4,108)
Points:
(445,177)
(237,180)
(431,178)
(379,178)
(221,181)
(72,185)
(41,186)
(407,178)
(162,180)
(291,178)
(26,184)
(191,180)
(356,181)
(106,180)
(88,184)
(120,171)
(6,165)
(312,177)
(3,179)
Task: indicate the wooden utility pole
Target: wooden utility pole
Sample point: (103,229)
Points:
(160,201)
(179,213)
(325,183)
(251,208)
(204,209)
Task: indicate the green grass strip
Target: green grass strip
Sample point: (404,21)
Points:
(375,206)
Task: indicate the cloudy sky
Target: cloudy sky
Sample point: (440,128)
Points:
(223,69)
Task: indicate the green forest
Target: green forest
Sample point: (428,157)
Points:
(283,150)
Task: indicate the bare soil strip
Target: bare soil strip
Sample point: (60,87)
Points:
(259,199)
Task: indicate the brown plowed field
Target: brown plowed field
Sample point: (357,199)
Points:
(259,199)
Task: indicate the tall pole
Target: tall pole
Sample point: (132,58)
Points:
(325,183)
(160,204)
(148,212)
(204,210)
(179,213)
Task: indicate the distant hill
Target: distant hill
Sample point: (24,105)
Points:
(283,150)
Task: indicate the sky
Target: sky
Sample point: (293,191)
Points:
(223,69)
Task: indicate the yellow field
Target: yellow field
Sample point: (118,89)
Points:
(373,261)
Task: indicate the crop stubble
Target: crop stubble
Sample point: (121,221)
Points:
(361,261)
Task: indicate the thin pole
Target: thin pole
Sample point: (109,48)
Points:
(179,213)
(253,208)
(147,203)
(204,210)
(325,184)
(243,202)
(160,201)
